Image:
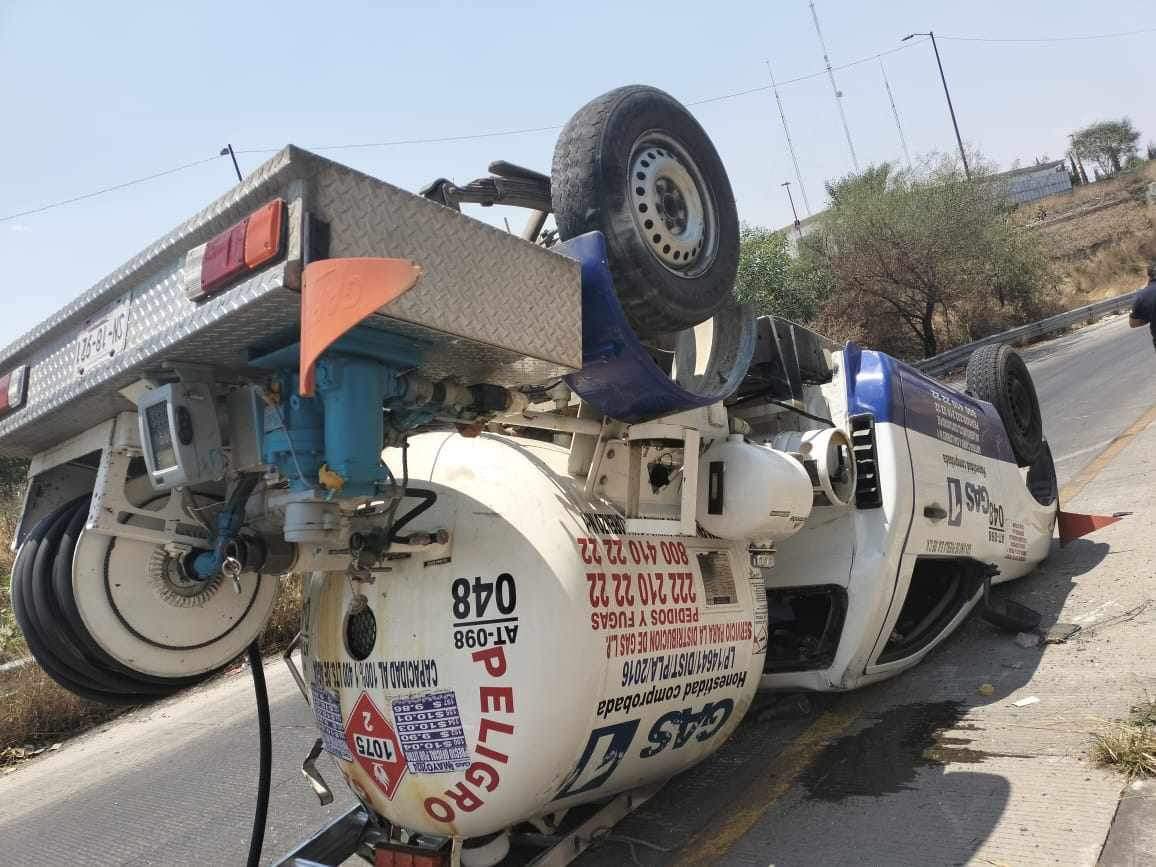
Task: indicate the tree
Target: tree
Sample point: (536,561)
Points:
(771,281)
(1109,142)
(915,259)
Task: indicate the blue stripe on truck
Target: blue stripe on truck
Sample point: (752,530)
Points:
(894,392)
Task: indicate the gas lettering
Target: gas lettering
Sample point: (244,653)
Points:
(680,726)
(976,498)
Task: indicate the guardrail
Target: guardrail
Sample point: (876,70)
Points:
(953,359)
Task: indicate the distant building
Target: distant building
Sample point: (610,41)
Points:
(1020,186)
(1035,182)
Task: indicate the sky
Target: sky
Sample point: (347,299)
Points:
(95,94)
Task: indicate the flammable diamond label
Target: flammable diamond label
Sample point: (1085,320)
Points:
(375,746)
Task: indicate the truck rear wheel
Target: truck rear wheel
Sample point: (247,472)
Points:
(998,375)
(635,165)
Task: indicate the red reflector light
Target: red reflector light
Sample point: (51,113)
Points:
(13,389)
(396,855)
(224,258)
(241,248)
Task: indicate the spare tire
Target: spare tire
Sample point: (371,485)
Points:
(636,166)
(998,375)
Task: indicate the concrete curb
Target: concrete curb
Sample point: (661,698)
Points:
(1132,838)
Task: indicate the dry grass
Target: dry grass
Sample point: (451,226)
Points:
(1129,745)
(11,641)
(36,713)
(285,621)
(1100,237)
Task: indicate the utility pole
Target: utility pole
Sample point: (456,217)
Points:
(947,93)
(791,199)
(790,144)
(895,112)
(834,87)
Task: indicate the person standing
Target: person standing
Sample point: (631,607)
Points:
(1144,308)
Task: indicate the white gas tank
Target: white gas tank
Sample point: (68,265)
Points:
(751,492)
(550,660)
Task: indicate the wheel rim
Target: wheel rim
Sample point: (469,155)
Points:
(674,211)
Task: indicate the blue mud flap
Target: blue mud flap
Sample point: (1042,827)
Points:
(618,376)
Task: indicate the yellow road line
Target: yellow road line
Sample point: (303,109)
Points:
(709,845)
(1073,488)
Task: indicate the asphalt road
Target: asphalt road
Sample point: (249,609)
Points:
(173,784)
(1092,384)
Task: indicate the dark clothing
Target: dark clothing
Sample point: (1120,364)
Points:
(1144,308)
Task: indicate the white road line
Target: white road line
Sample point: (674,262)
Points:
(1076,454)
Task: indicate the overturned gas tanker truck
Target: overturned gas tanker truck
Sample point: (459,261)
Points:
(560,504)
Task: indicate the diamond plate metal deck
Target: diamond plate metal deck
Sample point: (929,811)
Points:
(490,306)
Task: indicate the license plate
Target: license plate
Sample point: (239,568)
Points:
(103,337)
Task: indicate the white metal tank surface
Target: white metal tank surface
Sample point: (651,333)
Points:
(748,491)
(550,660)
(830,450)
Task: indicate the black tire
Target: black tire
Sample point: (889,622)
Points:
(998,375)
(591,190)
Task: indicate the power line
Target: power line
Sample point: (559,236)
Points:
(799,78)
(552,127)
(111,189)
(415,141)
(433,140)
(1048,39)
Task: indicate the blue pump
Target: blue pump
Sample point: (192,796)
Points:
(340,430)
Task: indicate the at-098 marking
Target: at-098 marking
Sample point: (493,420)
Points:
(471,602)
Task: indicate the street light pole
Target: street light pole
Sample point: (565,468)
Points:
(791,199)
(947,93)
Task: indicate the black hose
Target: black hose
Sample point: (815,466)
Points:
(762,395)
(428,498)
(261,813)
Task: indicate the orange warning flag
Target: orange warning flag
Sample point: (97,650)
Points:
(1074,525)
